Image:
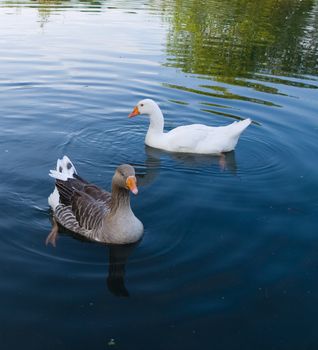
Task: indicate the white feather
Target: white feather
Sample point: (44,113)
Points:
(54,199)
(68,165)
(57,175)
(64,170)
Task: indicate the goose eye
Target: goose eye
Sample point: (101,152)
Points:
(142,105)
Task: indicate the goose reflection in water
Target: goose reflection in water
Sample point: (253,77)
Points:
(225,162)
(118,255)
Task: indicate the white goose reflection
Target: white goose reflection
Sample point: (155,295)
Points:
(225,162)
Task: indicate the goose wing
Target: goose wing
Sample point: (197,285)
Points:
(67,188)
(88,202)
(89,212)
(186,138)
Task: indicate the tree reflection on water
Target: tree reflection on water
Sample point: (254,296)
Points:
(238,38)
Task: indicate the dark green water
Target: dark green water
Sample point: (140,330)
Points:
(229,256)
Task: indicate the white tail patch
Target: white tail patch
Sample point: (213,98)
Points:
(64,169)
(54,199)
(243,124)
(236,128)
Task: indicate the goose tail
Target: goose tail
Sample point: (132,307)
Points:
(240,126)
(64,171)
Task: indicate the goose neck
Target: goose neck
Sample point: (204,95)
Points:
(156,120)
(120,199)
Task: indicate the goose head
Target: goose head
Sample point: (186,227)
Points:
(125,177)
(146,106)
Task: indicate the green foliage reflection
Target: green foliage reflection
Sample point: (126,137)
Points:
(237,38)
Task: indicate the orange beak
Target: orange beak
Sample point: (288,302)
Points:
(134,112)
(131,183)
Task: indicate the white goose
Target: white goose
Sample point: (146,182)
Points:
(194,138)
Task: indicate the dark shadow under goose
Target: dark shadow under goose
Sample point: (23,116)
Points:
(84,208)
(118,255)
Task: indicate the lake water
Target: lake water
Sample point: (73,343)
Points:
(229,258)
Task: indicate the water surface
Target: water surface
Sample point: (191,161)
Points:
(229,256)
